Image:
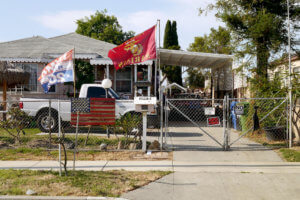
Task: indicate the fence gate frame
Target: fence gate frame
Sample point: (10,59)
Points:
(226,143)
(168,105)
(284,100)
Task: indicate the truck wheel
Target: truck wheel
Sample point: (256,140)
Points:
(43,121)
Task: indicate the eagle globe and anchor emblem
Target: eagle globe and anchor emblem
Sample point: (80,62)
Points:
(135,49)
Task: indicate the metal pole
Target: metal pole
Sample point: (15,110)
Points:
(74,74)
(144,147)
(75,147)
(228,122)
(166,118)
(59,134)
(160,90)
(107,132)
(290,72)
(224,122)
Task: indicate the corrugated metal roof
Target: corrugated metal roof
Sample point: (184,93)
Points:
(194,59)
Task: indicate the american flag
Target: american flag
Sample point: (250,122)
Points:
(93,111)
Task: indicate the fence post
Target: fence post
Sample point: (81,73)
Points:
(59,135)
(75,146)
(224,123)
(290,121)
(228,122)
(144,142)
(166,119)
(49,124)
(287,121)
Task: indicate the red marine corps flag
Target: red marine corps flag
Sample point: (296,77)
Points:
(135,50)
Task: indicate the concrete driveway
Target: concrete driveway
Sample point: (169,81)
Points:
(247,171)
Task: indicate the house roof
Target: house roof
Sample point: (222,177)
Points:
(83,42)
(40,49)
(31,48)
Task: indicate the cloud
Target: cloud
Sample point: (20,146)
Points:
(141,20)
(189,23)
(63,21)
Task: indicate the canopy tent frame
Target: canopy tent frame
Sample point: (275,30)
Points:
(187,59)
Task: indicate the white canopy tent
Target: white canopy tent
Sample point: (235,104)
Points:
(194,59)
(220,64)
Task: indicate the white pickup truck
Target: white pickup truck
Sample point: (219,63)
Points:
(39,108)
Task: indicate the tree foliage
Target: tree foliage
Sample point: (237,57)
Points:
(259,26)
(84,73)
(195,78)
(173,73)
(103,27)
(218,41)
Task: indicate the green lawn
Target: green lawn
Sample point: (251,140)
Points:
(290,155)
(78,183)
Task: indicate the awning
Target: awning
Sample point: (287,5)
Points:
(107,61)
(194,59)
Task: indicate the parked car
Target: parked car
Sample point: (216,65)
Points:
(39,108)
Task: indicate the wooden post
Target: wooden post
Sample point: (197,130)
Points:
(4,98)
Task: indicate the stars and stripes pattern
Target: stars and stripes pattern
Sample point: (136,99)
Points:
(93,111)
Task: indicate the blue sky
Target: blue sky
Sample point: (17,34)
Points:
(20,19)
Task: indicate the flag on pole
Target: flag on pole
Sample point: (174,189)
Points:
(135,50)
(59,70)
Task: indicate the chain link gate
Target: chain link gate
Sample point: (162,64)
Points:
(216,124)
(192,124)
(263,123)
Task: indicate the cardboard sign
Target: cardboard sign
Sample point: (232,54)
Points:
(239,109)
(209,111)
(213,121)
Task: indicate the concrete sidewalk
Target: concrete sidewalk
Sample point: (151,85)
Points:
(166,165)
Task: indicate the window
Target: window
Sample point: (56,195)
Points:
(297,70)
(96,92)
(100,73)
(52,88)
(32,69)
(142,73)
(124,80)
(143,90)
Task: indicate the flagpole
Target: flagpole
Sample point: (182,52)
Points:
(160,90)
(74,74)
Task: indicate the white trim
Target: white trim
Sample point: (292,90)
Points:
(107,61)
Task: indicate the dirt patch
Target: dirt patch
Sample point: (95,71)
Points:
(40,154)
(41,143)
(4,145)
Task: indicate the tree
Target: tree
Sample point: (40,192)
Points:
(103,27)
(173,73)
(84,73)
(218,41)
(195,78)
(259,26)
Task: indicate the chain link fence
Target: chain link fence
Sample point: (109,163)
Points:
(258,123)
(205,124)
(45,125)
